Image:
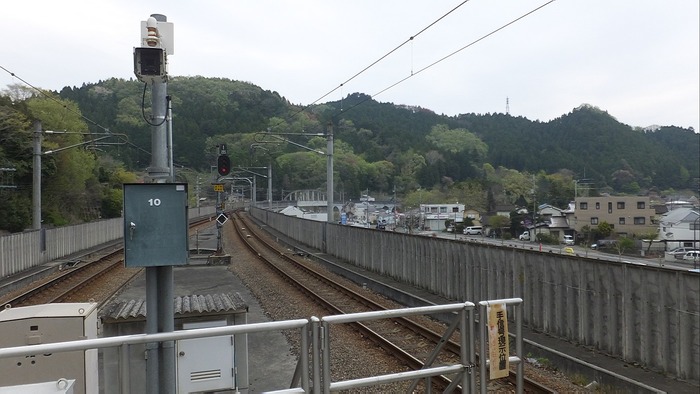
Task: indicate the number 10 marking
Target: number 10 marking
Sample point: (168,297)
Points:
(154,202)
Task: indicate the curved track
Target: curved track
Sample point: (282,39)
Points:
(73,281)
(407,339)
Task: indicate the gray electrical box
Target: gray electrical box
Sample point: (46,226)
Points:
(155,224)
(49,323)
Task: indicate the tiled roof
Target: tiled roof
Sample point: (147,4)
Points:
(185,305)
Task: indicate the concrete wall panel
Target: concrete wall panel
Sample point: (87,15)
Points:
(643,314)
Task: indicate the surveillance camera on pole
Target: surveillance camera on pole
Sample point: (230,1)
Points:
(150,59)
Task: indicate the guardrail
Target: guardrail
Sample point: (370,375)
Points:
(318,330)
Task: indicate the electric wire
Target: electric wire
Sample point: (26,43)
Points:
(449,55)
(143,109)
(79,114)
(410,39)
(374,63)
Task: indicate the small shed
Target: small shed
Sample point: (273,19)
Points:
(222,360)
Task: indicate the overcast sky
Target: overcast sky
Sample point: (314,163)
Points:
(636,59)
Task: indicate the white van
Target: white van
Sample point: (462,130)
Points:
(692,255)
(473,230)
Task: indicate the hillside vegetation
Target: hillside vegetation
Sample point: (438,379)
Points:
(386,149)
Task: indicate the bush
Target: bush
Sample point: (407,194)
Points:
(547,239)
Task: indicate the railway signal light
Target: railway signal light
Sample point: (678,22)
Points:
(223,165)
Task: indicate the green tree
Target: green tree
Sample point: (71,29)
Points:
(65,197)
(623,244)
(604,229)
(499,224)
(457,141)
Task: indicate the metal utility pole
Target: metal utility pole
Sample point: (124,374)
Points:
(269,185)
(36,178)
(329,172)
(150,66)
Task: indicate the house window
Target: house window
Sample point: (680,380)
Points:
(597,205)
(639,220)
(620,205)
(640,204)
(583,205)
(443,209)
(455,209)
(594,220)
(621,220)
(695,226)
(609,207)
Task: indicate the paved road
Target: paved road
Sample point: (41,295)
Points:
(577,250)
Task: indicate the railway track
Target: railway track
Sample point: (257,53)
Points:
(94,279)
(408,340)
(68,282)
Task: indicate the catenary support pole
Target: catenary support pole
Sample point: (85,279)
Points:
(329,173)
(36,179)
(269,185)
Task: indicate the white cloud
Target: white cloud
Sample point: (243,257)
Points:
(637,60)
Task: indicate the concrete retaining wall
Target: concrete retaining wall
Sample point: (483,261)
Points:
(643,314)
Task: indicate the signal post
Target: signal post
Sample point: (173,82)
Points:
(150,208)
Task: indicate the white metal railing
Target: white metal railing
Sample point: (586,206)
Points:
(465,319)
(125,340)
(318,329)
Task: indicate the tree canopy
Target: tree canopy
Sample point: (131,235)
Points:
(481,160)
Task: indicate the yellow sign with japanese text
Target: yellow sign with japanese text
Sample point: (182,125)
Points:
(218,187)
(499,364)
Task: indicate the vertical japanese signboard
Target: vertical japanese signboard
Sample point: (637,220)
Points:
(499,364)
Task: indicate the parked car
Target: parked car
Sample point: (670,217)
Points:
(473,230)
(568,240)
(680,252)
(692,255)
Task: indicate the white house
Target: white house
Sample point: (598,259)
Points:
(434,215)
(301,213)
(680,227)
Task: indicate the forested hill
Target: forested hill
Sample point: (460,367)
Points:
(588,141)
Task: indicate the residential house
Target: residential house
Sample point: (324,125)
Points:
(474,215)
(628,215)
(304,214)
(557,221)
(680,228)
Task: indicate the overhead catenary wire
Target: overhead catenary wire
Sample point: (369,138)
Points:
(65,107)
(374,63)
(412,74)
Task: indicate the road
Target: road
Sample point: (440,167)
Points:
(562,249)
